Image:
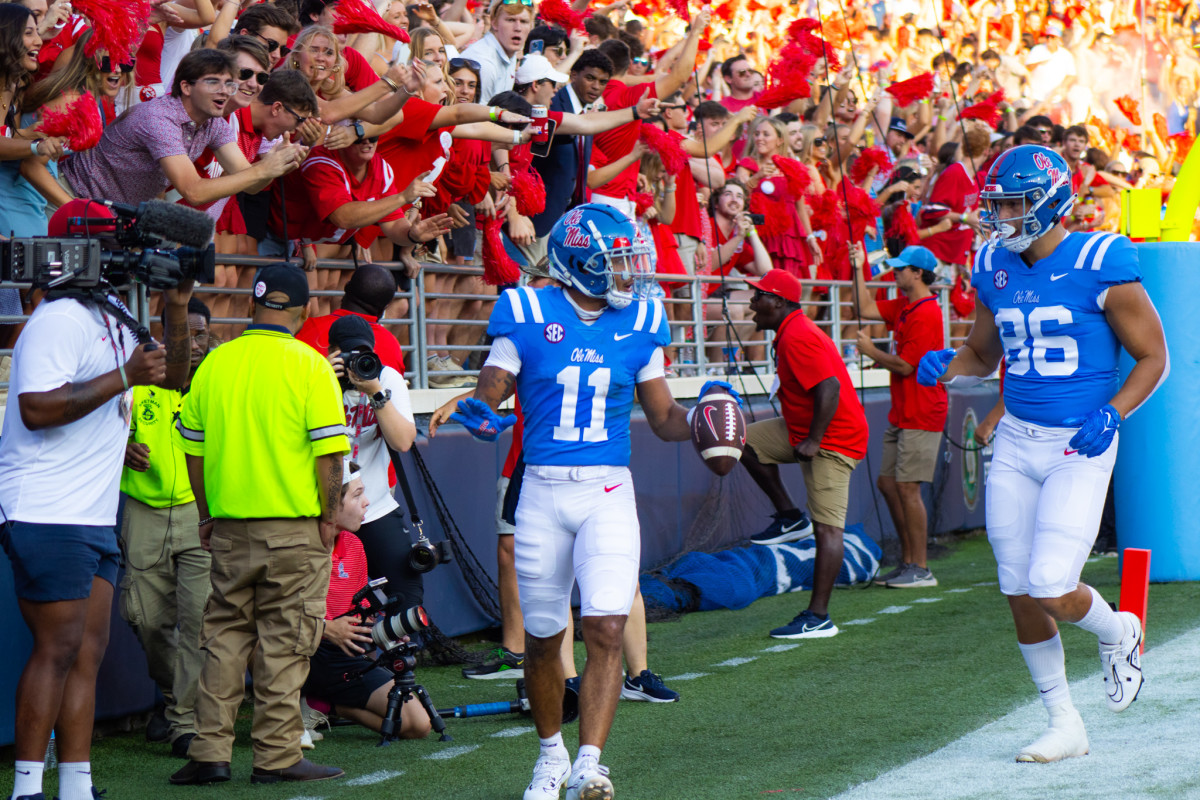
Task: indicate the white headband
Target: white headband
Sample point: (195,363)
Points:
(346,476)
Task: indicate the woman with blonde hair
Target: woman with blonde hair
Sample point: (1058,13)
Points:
(786,233)
(317,55)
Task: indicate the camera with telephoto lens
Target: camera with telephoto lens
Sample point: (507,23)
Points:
(110,251)
(392,623)
(365,365)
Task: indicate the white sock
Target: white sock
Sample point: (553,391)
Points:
(586,752)
(1048,668)
(553,747)
(28,778)
(75,780)
(1102,621)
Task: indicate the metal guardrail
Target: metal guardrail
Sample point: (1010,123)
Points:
(417,323)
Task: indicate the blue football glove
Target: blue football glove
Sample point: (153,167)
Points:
(483,423)
(933,365)
(728,387)
(1095,433)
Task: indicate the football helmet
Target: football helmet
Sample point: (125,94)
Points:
(598,250)
(1041,180)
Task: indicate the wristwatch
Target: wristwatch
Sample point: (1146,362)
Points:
(360,132)
(380,399)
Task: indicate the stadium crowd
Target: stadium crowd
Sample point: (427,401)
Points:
(780,146)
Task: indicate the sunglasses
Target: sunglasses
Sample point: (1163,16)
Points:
(299,119)
(459,63)
(643,60)
(669,106)
(741,73)
(106,65)
(820,141)
(367,140)
(526,3)
(273,45)
(246,74)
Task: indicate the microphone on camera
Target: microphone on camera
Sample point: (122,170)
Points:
(169,221)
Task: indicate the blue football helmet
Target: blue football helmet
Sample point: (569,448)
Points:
(1041,180)
(593,246)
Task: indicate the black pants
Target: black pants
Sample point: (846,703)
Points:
(387,542)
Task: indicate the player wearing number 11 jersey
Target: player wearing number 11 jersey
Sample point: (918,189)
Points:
(1058,308)
(575,354)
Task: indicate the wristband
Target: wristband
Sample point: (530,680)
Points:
(633,108)
(391,84)
(941,118)
(962,218)
(33,148)
(494,113)
(516,137)
(205,521)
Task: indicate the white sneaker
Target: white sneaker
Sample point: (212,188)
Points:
(312,719)
(548,777)
(306,742)
(1065,738)
(1123,664)
(590,783)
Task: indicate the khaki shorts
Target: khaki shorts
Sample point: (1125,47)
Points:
(910,456)
(826,477)
(535,257)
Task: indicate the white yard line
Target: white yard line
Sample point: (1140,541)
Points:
(452,752)
(373,778)
(1147,751)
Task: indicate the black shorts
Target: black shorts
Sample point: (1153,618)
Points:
(387,542)
(462,240)
(327,671)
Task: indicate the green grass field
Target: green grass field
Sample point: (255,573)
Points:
(805,722)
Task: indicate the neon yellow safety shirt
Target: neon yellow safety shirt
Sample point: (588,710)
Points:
(166,482)
(261,409)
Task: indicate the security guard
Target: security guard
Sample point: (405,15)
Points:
(166,580)
(263,430)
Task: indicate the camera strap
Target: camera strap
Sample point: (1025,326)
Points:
(402,479)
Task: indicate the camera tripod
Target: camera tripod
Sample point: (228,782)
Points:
(400,662)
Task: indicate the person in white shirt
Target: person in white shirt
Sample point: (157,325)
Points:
(379,417)
(499,51)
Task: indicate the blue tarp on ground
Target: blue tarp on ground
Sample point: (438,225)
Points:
(737,577)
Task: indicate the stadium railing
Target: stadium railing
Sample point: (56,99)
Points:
(693,333)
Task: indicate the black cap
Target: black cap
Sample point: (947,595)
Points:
(350,333)
(900,126)
(284,278)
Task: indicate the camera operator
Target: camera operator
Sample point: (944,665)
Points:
(61,450)
(346,643)
(378,416)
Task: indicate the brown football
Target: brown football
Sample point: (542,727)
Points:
(719,430)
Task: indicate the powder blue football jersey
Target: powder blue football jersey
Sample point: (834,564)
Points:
(577,380)
(1060,352)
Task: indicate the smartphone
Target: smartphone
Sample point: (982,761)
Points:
(758,219)
(537,46)
(542,149)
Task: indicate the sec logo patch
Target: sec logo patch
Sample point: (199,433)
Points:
(554,333)
(1001,279)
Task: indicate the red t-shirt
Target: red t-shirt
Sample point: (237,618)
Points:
(315,334)
(322,186)
(147,64)
(411,147)
(347,576)
(804,357)
(687,207)
(465,176)
(733,105)
(955,191)
(619,141)
(738,262)
(76,26)
(359,74)
(918,328)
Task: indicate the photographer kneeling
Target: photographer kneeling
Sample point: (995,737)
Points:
(345,643)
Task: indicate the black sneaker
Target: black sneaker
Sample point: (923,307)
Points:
(806,625)
(649,687)
(786,528)
(507,664)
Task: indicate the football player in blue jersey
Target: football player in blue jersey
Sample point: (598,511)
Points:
(575,353)
(1057,307)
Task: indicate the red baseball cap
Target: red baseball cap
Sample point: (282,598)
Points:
(779,283)
(61,223)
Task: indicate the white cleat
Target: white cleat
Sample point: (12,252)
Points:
(1123,664)
(1065,738)
(590,783)
(548,777)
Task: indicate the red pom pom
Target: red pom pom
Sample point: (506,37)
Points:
(528,192)
(117,26)
(680,7)
(905,93)
(561,14)
(798,178)
(985,111)
(498,267)
(903,226)
(641,9)
(776,220)
(1129,107)
(1183,144)
(869,159)
(355,16)
(667,146)
(79,122)
(642,202)
(800,27)
(1160,126)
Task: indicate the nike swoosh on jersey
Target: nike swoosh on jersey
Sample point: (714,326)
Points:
(1069,452)
(608,489)
(619,336)
(1056,277)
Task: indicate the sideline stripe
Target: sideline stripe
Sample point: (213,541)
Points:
(780,648)
(894,610)
(1148,751)
(736,662)
(518,731)
(863,621)
(960,590)
(373,778)
(452,752)
(928,600)
(689,676)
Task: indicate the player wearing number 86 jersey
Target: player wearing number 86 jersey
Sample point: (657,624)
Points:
(1058,308)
